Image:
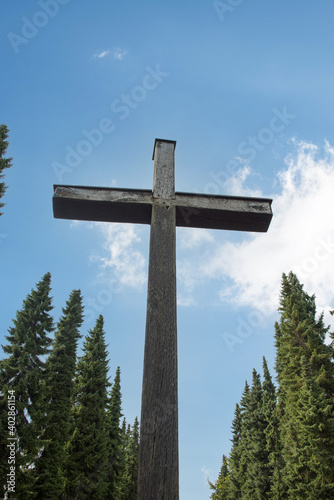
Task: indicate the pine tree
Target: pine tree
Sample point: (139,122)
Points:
(283,441)
(23,373)
(301,350)
(236,473)
(221,487)
(87,450)
(125,438)
(4,162)
(116,443)
(254,457)
(310,464)
(269,404)
(298,334)
(269,393)
(128,490)
(57,393)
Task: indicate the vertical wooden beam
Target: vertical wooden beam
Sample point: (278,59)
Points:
(164,169)
(158,452)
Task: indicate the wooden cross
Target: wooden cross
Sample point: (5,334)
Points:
(164,210)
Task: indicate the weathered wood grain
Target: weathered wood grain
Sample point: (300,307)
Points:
(164,169)
(135,206)
(158,474)
(158,450)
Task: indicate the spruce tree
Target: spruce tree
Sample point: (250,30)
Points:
(221,487)
(300,333)
(236,473)
(254,457)
(23,373)
(128,490)
(305,373)
(115,440)
(87,450)
(309,463)
(125,438)
(4,162)
(57,394)
(283,441)
(269,403)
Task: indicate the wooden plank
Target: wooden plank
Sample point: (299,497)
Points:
(98,204)
(158,473)
(254,221)
(158,450)
(135,206)
(164,169)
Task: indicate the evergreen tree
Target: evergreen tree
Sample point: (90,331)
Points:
(236,473)
(23,373)
(126,430)
(87,451)
(254,457)
(125,438)
(128,490)
(283,441)
(57,393)
(269,403)
(221,487)
(269,393)
(301,350)
(235,483)
(309,461)
(4,162)
(116,443)
(299,334)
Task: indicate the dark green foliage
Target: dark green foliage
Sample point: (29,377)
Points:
(86,462)
(222,486)
(115,440)
(298,334)
(70,442)
(128,490)
(269,393)
(269,405)
(4,162)
(24,373)
(306,387)
(254,457)
(57,393)
(309,464)
(235,476)
(283,441)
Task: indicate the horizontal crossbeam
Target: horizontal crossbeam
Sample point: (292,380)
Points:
(135,206)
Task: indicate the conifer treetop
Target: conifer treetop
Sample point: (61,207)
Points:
(4,162)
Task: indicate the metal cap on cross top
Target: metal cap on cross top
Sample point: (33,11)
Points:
(163,209)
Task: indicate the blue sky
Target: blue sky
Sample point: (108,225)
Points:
(246,90)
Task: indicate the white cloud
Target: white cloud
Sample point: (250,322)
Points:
(236,183)
(185,301)
(112,183)
(193,237)
(300,237)
(118,54)
(121,258)
(206,472)
(186,276)
(102,54)
(75,223)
